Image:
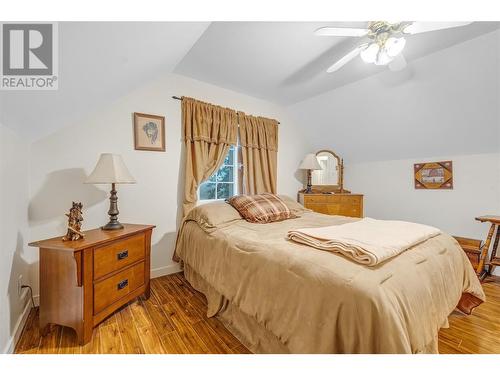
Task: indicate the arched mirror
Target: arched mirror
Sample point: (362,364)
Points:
(330,178)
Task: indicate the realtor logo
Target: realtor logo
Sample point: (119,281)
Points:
(29,56)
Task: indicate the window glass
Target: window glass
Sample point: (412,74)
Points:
(223,183)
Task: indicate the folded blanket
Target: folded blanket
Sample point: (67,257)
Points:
(367,241)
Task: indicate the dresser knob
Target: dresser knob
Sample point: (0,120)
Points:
(122,254)
(122,284)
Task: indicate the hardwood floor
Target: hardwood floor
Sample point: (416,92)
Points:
(478,332)
(173,320)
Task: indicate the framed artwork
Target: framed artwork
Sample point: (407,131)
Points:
(436,175)
(149,132)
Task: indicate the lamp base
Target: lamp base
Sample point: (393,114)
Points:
(112,225)
(309,184)
(113,211)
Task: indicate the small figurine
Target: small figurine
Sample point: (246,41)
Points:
(75,219)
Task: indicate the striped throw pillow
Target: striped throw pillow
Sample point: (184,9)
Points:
(261,208)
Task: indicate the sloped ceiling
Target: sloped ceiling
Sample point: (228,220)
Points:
(282,62)
(285,62)
(98,63)
(445,104)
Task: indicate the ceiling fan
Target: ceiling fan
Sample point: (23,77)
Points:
(386,41)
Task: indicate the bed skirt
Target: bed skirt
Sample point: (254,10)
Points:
(244,327)
(247,329)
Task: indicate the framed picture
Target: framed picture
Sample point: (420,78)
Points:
(436,175)
(149,132)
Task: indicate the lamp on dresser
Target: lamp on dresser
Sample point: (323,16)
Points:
(110,169)
(310,163)
(325,191)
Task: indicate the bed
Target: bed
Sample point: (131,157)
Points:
(278,296)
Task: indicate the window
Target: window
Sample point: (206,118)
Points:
(222,184)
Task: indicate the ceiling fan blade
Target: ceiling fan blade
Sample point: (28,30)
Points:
(344,60)
(423,27)
(399,63)
(341,31)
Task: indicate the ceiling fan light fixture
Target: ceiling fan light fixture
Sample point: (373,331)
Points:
(394,46)
(369,55)
(383,57)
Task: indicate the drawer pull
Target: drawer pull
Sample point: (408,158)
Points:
(122,254)
(122,284)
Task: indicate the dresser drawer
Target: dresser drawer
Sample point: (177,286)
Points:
(334,204)
(118,255)
(353,200)
(115,287)
(317,198)
(350,210)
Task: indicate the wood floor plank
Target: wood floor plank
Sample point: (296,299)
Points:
(159,292)
(241,349)
(192,341)
(226,336)
(446,348)
(212,341)
(148,334)
(69,342)
(131,341)
(157,315)
(173,344)
(110,339)
(182,314)
(150,340)
(174,320)
(30,337)
(94,346)
(183,325)
(49,344)
(139,313)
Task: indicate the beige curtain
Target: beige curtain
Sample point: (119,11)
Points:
(209,131)
(259,151)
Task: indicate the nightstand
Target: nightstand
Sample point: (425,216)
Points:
(83,282)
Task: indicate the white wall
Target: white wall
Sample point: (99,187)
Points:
(390,193)
(15,256)
(61,161)
(444,106)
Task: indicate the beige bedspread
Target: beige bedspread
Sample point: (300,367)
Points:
(367,241)
(313,301)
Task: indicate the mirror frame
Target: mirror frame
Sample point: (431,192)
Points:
(339,187)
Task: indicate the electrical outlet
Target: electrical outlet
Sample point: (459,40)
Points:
(19,285)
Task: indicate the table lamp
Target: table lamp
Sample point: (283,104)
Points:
(310,163)
(110,169)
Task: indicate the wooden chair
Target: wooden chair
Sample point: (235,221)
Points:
(486,267)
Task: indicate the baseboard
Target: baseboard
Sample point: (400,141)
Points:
(18,329)
(166,270)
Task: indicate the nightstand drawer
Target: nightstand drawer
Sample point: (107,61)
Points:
(115,287)
(118,255)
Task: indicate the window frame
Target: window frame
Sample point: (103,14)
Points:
(236,176)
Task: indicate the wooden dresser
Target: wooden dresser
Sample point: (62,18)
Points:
(334,204)
(82,282)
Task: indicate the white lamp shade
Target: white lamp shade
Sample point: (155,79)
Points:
(110,169)
(310,162)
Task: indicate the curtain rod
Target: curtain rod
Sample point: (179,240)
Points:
(178,98)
